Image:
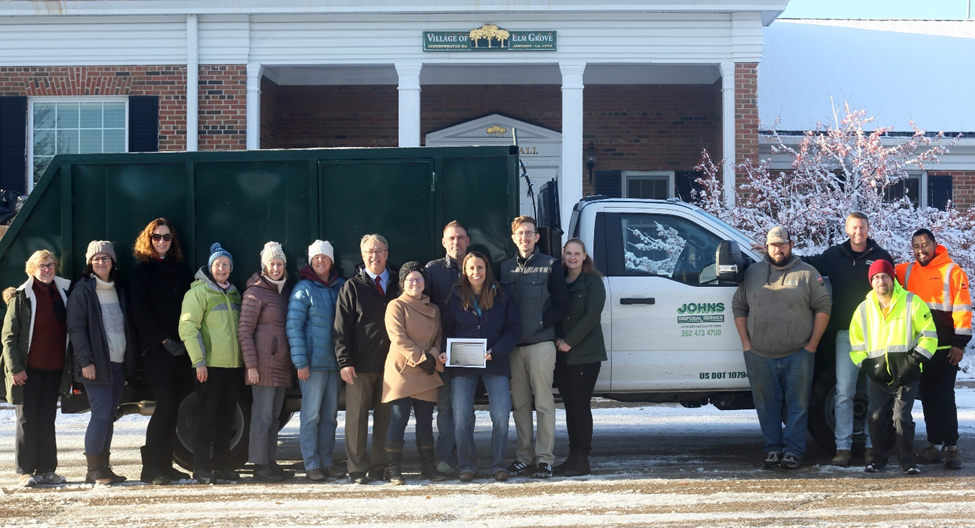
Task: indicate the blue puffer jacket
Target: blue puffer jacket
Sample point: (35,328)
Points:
(311,314)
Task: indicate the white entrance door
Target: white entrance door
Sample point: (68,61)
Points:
(540,149)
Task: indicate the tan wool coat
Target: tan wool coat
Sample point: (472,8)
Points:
(413,326)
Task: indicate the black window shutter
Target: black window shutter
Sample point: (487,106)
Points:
(143,123)
(13,143)
(939,191)
(609,183)
(684,183)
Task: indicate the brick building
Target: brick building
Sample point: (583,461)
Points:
(617,99)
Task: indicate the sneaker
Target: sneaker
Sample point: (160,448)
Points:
(875,467)
(867,455)
(448,471)
(28,481)
(790,462)
(912,470)
(842,458)
(467,476)
(49,477)
(519,468)
(501,475)
(952,458)
(316,475)
(930,455)
(542,471)
(772,460)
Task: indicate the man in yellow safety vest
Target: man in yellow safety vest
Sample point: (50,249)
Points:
(891,334)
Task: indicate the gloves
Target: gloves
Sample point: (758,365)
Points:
(915,358)
(429,365)
(175,348)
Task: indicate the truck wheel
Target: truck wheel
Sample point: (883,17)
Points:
(185,431)
(822,418)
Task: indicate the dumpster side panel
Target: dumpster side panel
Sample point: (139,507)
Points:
(393,198)
(244,204)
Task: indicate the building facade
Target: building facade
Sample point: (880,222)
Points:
(617,99)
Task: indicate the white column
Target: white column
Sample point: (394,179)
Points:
(254,70)
(409,103)
(570,181)
(192,84)
(728,130)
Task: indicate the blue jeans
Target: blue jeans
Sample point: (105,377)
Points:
(446,443)
(104,401)
(499,401)
(319,412)
(777,383)
(847,376)
(400,416)
(265,410)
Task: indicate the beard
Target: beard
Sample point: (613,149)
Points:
(780,260)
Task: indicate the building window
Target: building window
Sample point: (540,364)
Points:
(644,184)
(79,126)
(913,186)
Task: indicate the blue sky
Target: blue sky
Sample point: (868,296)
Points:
(924,9)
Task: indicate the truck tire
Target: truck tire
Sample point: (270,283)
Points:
(185,431)
(822,419)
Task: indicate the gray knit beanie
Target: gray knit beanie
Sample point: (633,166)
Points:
(100,246)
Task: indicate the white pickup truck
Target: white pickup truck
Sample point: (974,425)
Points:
(671,270)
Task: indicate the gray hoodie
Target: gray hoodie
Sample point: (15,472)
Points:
(780,305)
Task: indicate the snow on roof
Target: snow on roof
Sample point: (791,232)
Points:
(896,70)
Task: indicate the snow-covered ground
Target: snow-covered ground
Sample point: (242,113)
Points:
(657,464)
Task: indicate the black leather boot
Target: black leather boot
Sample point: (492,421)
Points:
(394,471)
(428,464)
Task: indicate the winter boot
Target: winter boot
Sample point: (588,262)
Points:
(579,467)
(265,473)
(175,474)
(428,466)
(394,471)
(151,474)
(559,469)
(107,467)
(96,473)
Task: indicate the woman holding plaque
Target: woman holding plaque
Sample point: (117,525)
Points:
(478,309)
(581,350)
(410,378)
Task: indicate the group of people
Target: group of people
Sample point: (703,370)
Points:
(383,333)
(904,328)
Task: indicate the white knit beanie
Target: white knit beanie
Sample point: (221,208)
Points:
(271,251)
(321,247)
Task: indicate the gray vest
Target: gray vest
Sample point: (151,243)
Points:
(527,284)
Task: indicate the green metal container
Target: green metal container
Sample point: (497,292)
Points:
(245,198)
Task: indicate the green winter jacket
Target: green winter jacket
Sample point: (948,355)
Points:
(208,324)
(582,328)
(18,328)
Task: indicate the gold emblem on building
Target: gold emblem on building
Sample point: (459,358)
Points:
(496,131)
(488,33)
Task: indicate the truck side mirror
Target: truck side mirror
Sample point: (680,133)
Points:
(731,266)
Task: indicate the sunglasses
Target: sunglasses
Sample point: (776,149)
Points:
(157,237)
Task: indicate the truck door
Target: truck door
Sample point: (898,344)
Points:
(672,323)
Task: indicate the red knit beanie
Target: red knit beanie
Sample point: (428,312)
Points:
(880,266)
